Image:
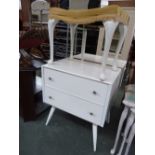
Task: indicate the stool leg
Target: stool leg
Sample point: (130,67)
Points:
(51,25)
(130,138)
(94,127)
(122,119)
(50,115)
(130,121)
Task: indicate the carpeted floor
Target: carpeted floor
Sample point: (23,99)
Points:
(68,135)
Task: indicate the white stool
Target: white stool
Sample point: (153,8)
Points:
(130,138)
(129,115)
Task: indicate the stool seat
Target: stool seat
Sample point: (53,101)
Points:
(87,16)
(129,99)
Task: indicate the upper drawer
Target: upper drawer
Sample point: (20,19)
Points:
(84,88)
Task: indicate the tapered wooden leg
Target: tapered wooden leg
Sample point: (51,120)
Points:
(122,119)
(50,115)
(94,127)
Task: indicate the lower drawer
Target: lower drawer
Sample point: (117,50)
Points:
(73,105)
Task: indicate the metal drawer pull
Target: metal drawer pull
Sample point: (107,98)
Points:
(94,92)
(50,97)
(50,78)
(90,113)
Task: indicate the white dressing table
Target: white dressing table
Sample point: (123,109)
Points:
(83,88)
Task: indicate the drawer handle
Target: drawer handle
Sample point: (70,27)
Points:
(94,92)
(90,113)
(50,97)
(49,78)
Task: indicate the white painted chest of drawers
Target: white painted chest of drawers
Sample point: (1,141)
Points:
(74,87)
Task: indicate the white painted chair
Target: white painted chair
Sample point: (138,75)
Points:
(129,115)
(40,9)
(130,137)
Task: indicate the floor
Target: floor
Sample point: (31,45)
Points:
(68,135)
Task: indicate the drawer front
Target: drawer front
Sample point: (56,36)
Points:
(84,88)
(73,105)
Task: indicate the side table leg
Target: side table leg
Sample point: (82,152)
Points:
(50,115)
(94,127)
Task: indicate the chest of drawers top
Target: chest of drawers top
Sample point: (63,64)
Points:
(84,69)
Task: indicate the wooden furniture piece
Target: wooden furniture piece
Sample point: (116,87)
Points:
(30,94)
(128,115)
(123,3)
(26,93)
(25,12)
(84,88)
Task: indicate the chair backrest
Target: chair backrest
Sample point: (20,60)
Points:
(40,8)
(40,5)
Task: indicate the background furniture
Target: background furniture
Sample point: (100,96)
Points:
(39,9)
(30,87)
(128,115)
(30,94)
(26,92)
